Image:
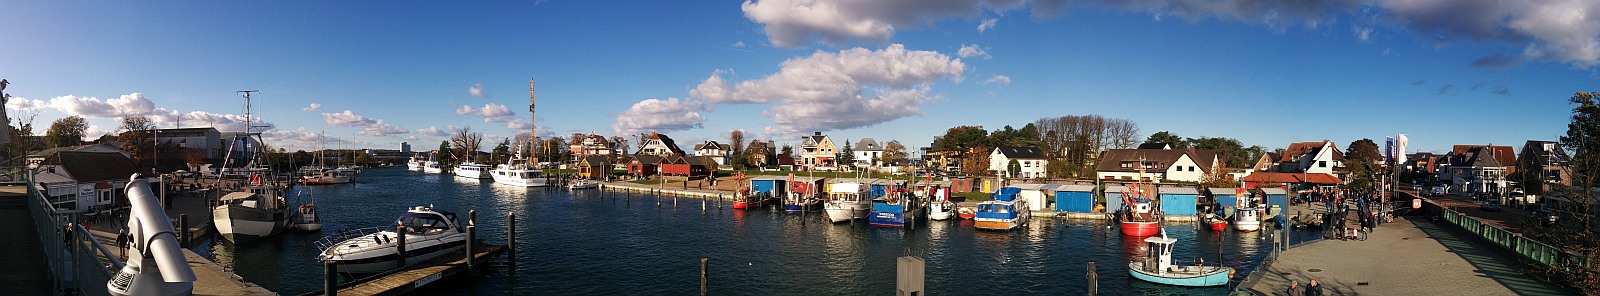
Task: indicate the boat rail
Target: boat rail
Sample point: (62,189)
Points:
(345,234)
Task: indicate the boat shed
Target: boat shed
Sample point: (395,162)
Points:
(1037,195)
(770,185)
(1075,198)
(644,165)
(1114,195)
(1228,199)
(594,167)
(1276,196)
(1179,200)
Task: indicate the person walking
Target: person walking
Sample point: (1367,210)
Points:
(1313,289)
(1294,289)
(122,243)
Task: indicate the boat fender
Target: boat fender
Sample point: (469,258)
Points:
(1230,273)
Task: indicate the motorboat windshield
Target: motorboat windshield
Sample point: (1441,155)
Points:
(424,224)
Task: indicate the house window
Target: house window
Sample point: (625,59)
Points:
(1127,165)
(1322,164)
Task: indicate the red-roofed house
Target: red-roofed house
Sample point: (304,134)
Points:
(1157,164)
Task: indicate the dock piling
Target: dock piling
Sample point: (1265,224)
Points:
(1094,281)
(511,237)
(470,242)
(183,229)
(330,282)
(400,246)
(703,276)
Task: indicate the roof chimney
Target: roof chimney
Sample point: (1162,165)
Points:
(816,133)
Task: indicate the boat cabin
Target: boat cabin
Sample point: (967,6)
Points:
(422,221)
(1159,255)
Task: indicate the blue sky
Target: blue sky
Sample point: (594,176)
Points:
(1264,72)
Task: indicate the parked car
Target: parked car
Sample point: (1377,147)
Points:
(1547,217)
(1438,190)
(1491,205)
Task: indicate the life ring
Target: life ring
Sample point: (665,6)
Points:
(255,180)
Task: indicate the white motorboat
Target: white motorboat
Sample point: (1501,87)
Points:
(415,164)
(847,201)
(939,207)
(582,184)
(432,167)
(472,170)
(429,234)
(517,171)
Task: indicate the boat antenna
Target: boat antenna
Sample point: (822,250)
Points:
(533,125)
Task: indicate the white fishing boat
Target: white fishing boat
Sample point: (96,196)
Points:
(472,170)
(1247,219)
(429,234)
(258,209)
(847,201)
(306,219)
(432,167)
(939,207)
(416,164)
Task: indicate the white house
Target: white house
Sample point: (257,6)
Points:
(659,145)
(1156,164)
(716,151)
(84,181)
(1311,157)
(867,153)
(1032,161)
(1474,169)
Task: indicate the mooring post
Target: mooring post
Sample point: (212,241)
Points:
(330,274)
(183,224)
(511,237)
(1094,281)
(909,273)
(703,276)
(470,250)
(400,246)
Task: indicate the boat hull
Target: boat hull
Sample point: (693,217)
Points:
(1188,276)
(998,224)
(941,215)
(384,259)
(846,212)
(240,224)
(1247,226)
(966,213)
(308,226)
(1131,228)
(1219,225)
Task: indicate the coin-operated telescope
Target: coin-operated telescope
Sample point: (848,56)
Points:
(156,265)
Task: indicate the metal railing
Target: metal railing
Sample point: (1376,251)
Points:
(1529,249)
(79,264)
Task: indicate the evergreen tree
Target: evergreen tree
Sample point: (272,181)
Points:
(847,157)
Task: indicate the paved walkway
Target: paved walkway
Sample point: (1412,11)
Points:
(26,273)
(1402,258)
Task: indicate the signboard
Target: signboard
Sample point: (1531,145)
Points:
(1416,203)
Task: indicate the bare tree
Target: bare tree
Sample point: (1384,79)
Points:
(466,143)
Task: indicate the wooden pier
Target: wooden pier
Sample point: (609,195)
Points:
(409,280)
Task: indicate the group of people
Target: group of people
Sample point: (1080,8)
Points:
(1354,214)
(1311,289)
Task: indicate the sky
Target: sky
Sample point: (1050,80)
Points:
(373,75)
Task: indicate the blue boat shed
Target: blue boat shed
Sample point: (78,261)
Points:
(1276,196)
(1075,198)
(769,185)
(1114,196)
(1179,200)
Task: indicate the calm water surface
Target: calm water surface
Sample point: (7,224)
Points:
(588,242)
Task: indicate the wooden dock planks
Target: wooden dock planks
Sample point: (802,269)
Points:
(406,281)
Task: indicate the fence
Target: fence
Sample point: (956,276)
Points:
(79,264)
(1530,249)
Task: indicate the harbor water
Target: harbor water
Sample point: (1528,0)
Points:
(592,242)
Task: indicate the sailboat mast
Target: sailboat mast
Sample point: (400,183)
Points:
(533,128)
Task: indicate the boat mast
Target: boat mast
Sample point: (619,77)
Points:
(533,128)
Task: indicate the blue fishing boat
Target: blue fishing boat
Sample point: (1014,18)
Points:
(895,208)
(1004,212)
(1157,267)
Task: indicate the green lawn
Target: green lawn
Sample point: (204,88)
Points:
(648,182)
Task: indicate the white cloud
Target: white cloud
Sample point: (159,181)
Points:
(987,24)
(830,91)
(476,90)
(434,131)
(312,107)
(300,137)
(1000,79)
(789,23)
(135,104)
(490,112)
(972,50)
(518,124)
(739,44)
(369,126)
(657,115)
(1362,33)
(1566,31)
(21,103)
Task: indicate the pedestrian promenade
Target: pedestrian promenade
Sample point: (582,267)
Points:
(1408,257)
(27,273)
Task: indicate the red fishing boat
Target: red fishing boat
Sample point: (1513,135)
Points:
(1139,217)
(966,213)
(1217,224)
